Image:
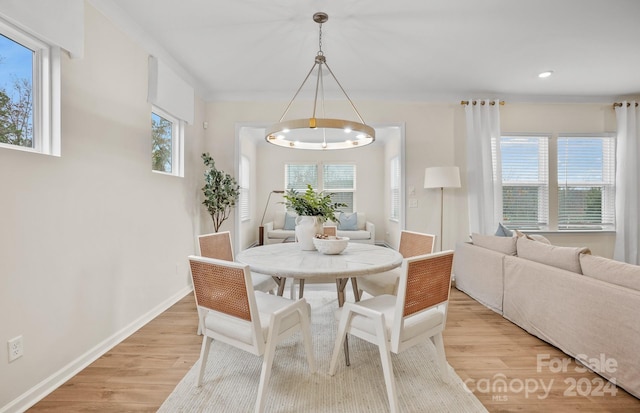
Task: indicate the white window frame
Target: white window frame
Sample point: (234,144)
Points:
(177,142)
(543,182)
(608,184)
(319,167)
(552,196)
(45,90)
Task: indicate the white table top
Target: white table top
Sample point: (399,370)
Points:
(288,260)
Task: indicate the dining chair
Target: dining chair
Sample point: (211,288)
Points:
(396,323)
(218,245)
(411,244)
(233,313)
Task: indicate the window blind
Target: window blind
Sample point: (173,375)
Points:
(340,180)
(586,182)
(297,176)
(245,179)
(525,181)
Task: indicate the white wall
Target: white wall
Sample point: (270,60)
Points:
(91,242)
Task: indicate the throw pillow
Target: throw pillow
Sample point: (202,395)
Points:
(505,245)
(503,231)
(533,237)
(348,222)
(289,221)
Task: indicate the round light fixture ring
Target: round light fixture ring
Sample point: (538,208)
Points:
(282,133)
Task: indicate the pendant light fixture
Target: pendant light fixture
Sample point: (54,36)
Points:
(320,133)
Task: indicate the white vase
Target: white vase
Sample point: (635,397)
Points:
(306,228)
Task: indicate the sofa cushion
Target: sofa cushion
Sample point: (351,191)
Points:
(611,271)
(278,220)
(348,222)
(289,221)
(566,258)
(505,245)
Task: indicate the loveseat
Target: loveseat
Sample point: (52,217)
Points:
(585,305)
(356,227)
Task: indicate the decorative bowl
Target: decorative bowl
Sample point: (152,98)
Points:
(331,245)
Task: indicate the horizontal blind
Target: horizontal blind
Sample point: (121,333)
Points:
(245,179)
(298,176)
(586,182)
(525,181)
(340,181)
(339,177)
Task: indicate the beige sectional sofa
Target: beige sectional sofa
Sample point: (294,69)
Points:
(274,232)
(585,305)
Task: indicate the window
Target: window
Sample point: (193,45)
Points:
(584,189)
(245,179)
(339,179)
(29,92)
(586,175)
(166,143)
(394,180)
(525,181)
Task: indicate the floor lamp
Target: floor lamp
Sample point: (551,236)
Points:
(261,227)
(442,177)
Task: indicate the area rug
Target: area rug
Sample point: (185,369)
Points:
(231,379)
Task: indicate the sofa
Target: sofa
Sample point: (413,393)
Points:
(585,305)
(360,230)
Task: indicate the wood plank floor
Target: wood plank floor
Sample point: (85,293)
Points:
(139,374)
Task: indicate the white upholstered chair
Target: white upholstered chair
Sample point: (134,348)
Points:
(411,245)
(396,323)
(253,321)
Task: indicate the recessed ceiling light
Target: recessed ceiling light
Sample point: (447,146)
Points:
(546,74)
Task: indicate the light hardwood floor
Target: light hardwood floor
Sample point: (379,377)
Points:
(139,374)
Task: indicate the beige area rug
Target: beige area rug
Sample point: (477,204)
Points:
(231,378)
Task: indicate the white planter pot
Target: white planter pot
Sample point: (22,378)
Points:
(306,228)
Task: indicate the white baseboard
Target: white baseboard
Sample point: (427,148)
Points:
(48,385)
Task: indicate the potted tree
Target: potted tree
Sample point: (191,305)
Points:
(221,192)
(313,209)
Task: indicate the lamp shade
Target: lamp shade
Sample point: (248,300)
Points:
(442,177)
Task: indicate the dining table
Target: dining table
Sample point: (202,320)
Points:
(288,260)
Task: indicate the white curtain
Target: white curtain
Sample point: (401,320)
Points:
(627,178)
(484,182)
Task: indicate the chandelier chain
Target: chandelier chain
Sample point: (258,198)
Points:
(320,52)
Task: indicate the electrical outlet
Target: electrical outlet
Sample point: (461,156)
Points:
(16,349)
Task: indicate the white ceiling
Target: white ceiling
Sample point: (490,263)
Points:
(402,49)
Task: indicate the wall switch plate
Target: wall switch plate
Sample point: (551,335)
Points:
(16,349)
(413,203)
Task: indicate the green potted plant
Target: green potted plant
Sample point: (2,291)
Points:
(313,209)
(221,192)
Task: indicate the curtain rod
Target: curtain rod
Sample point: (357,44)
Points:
(475,102)
(619,104)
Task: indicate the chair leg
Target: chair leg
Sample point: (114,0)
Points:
(387,367)
(306,338)
(204,355)
(267,363)
(345,322)
(441,357)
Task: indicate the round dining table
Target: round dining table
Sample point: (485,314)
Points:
(288,260)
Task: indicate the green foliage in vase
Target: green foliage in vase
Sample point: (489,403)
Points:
(312,203)
(221,192)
